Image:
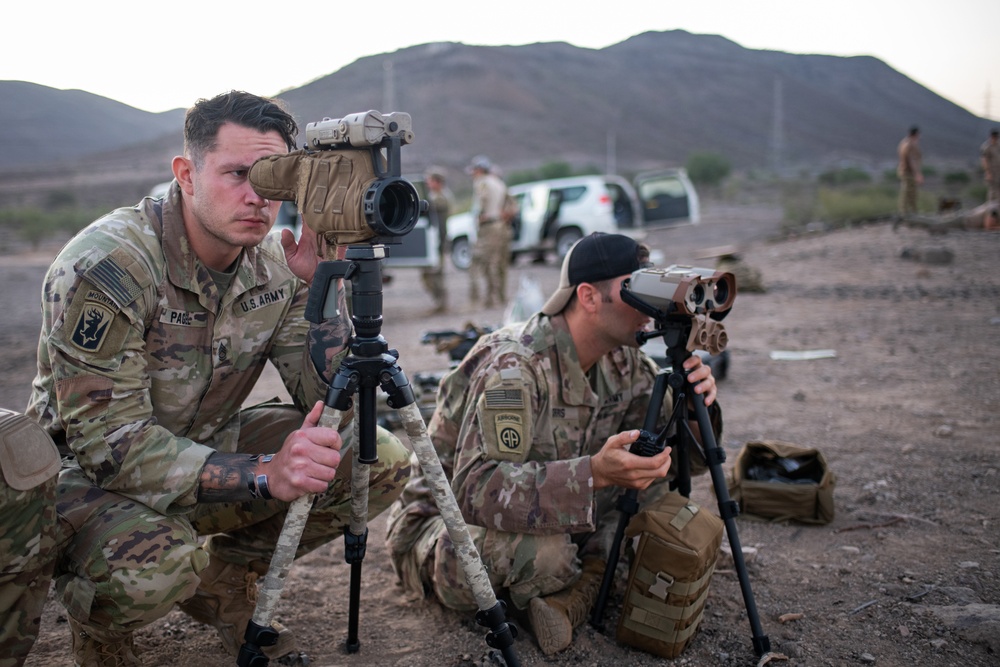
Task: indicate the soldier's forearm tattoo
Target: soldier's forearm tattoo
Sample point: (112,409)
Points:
(326,340)
(227,478)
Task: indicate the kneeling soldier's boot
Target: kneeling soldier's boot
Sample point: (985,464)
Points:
(554,617)
(226,600)
(102,648)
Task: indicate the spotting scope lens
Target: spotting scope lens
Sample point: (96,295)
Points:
(392,207)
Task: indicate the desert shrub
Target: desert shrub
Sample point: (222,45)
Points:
(547,171)
(35,225)
(707,168)
(840,207)
(957,178)
(798,203)
(844,176)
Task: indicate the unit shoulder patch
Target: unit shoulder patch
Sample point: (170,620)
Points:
(505,419)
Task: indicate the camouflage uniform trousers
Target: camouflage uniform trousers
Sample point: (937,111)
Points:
(908,195)
(520,566)
(127,565)
(993,190)
(490,258)
(28,553)
(433,281)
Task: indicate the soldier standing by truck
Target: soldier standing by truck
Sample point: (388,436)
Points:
(491,253)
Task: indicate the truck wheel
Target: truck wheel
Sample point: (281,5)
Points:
(461,253)
(565,240)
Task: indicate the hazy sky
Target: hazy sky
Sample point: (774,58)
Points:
(159,56)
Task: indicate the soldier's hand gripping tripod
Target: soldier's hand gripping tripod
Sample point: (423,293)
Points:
(370,365)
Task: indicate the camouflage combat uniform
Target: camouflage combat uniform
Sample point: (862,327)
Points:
(30,541)
(433,277)
(515,427)
(990,154)
(491,254)
(908,169)
(143,366)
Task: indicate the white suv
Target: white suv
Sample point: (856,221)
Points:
(556,213)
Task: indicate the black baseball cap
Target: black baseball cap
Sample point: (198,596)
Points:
(593,258)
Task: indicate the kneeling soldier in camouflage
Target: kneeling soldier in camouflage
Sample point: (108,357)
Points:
(157,322)
(533,430)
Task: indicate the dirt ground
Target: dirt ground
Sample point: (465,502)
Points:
(906,413)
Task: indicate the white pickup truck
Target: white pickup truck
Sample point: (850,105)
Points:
(556,213)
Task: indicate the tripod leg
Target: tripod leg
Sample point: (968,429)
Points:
(356,534)
(491,611)
(728,509)
(259,631)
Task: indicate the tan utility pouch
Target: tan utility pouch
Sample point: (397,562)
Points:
(782,481)
(669,575)
(28,456)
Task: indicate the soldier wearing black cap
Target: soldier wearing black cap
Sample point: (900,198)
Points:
(533,430)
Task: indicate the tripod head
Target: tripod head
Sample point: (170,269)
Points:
(362,266)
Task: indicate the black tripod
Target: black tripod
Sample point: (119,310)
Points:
(676,331)
(369,365)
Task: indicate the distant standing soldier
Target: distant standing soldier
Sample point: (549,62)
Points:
(439,205)
(990,155)
(491,254)
(909,172)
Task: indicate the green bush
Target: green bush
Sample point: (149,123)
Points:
(547,171)
(35,225)
(840,207)
(798,201)
(707,168)
(960,178)
(844,176)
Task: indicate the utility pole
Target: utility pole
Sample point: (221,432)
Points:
(388,87)
(610,160)
(778,128)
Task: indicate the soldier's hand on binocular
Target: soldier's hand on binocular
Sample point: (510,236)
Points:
(615,465)
(701,378)
(308,459)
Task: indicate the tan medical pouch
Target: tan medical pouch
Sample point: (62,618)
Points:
(669,575)
(28,456)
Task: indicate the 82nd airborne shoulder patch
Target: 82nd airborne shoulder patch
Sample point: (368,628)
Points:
(506,424)
(510,432)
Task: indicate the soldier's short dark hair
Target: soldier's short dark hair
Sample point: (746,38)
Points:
(914,131)
(203,120)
